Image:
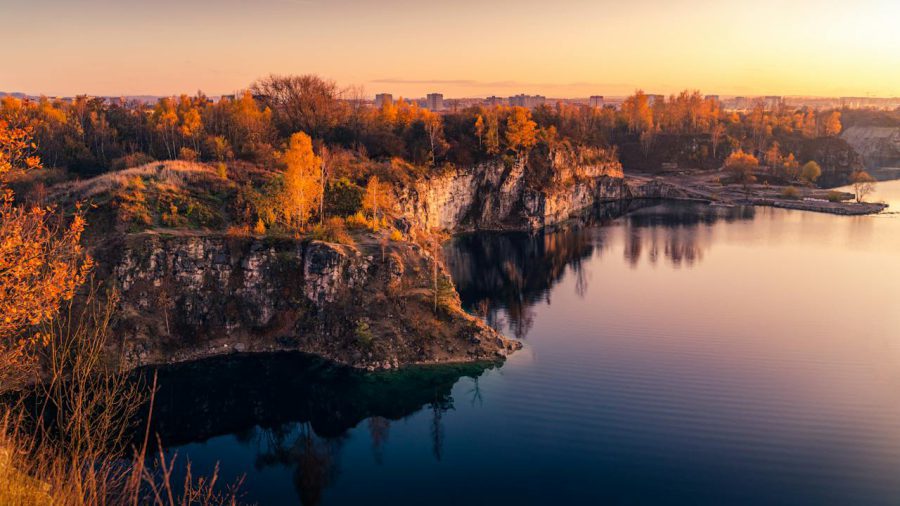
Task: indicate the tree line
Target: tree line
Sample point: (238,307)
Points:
(89,135)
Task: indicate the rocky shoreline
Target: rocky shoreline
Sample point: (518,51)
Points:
(192,296)
(705,187)
(188,296)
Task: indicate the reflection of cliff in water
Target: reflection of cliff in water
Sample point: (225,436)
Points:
(500,276)
(676,231)
(295,409)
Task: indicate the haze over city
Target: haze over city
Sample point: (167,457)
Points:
(570,48)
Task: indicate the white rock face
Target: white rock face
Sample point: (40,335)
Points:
(497,196)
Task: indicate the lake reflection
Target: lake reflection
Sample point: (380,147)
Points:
(501,275)
(681,354)
(293,412)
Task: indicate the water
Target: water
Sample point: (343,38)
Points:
(680,355)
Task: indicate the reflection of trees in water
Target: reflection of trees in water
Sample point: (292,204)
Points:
(437,431)
(501,276)
(511,271)
(379,429)
(297,410)
(676,230)
(315,460)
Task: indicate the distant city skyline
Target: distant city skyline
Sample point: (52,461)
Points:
(565,49)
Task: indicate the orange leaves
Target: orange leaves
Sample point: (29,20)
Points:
(16,149)
(739,160)
(833,124)
(42,262)
(637,112)
(521,131)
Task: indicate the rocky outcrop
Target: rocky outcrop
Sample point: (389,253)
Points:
(189,296)
(512,194)
(878,146)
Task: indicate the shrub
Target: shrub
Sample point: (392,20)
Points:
(343,198)
(222,170)
(357,221)
(333,230)
(790,192)
(260,227)
(171,217)
(835,196)
(810,172)
(396,235)
(364,335)
(188,155)
(238,231)
(131,160)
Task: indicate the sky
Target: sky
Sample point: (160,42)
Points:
(463,48)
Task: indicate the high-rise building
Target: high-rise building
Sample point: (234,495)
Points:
(434,102)
(772,102)
(596,101)
(493,100)
(383,99)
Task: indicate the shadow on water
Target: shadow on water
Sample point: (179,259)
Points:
(225,395)
(296,410)
(500,276)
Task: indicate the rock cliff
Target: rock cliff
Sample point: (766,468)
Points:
(879,146)
(187,296)
(513,194)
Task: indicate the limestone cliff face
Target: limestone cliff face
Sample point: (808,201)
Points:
(512,194)
(188,297)
(879,146)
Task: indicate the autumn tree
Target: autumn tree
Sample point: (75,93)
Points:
(305,103)
(165,122)
(637,112)
(863,184)
(479,130)
(773,156)
(833,125)
(716,137)
(521,131)
(741,165)
(376,199)
(492,134)
(790,166)
(302,189)
(433,127)
(41,259)
(810,172)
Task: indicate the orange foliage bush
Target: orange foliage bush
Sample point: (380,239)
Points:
(41,259)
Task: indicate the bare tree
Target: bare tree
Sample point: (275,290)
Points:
(863,184)
(306,103)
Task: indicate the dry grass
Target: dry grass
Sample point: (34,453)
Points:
(176,173)
(71,444)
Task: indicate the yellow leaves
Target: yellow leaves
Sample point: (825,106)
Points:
(521,131)
(377,198)
(302,191)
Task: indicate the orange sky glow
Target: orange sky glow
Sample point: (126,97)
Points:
(565,48)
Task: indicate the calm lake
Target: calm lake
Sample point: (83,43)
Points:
(681,354)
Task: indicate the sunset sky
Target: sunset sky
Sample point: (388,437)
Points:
(564,48)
